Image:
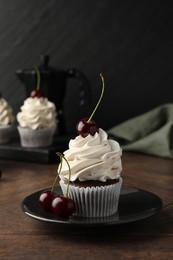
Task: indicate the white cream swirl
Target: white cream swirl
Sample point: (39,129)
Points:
(92,158)
(6,113)
(37,113)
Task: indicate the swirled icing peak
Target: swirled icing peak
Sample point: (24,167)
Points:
(92,158)
(37,113)
(6,113)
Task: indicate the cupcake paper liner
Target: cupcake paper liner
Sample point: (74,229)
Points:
(5,133)
(92,202)
(36,138)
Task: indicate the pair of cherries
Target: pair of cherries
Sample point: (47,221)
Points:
(62,206)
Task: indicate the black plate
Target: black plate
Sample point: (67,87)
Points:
(135,204)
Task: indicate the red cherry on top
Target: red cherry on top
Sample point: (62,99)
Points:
(85,128)
(36,93)
(45,199)
(63,206)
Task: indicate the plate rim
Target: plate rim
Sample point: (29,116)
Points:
(68,221)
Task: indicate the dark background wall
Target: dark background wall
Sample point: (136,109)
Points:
(130,42)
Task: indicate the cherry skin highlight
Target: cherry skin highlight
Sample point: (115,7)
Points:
(36,93)
(63,206)
(85,128)
(46,198)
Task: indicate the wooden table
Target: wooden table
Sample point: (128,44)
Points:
(22,237)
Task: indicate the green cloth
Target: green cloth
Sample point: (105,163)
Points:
(150,133)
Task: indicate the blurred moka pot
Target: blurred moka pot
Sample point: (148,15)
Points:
(53,85)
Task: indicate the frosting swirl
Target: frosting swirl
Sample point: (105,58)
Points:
(92,158)
(37,113)
(6,113)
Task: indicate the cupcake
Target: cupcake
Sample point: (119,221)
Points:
(37,119)
(94,181)
(37,122)
(6,121)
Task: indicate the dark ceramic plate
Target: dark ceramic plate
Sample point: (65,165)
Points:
(135,204)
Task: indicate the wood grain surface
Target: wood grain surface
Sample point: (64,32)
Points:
(24,238)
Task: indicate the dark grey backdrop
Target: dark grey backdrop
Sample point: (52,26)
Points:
(130,42)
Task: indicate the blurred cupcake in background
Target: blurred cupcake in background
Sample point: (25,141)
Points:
(6,121)
(37,119)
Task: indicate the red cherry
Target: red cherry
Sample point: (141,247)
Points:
(36,93)
(45,199)
(63,206)
(85,128)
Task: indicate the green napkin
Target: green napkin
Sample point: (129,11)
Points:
(150,133)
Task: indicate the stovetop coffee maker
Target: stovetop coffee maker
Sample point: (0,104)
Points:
(53,85)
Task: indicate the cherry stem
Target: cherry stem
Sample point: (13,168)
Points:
(69,176)
(56,179)
(38,78)
(103,88)
(61,158)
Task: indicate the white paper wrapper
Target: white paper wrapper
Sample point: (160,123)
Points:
(5,133)
(94,202)
(36,138)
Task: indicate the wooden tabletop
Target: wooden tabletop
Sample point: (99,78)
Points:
(22,237)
